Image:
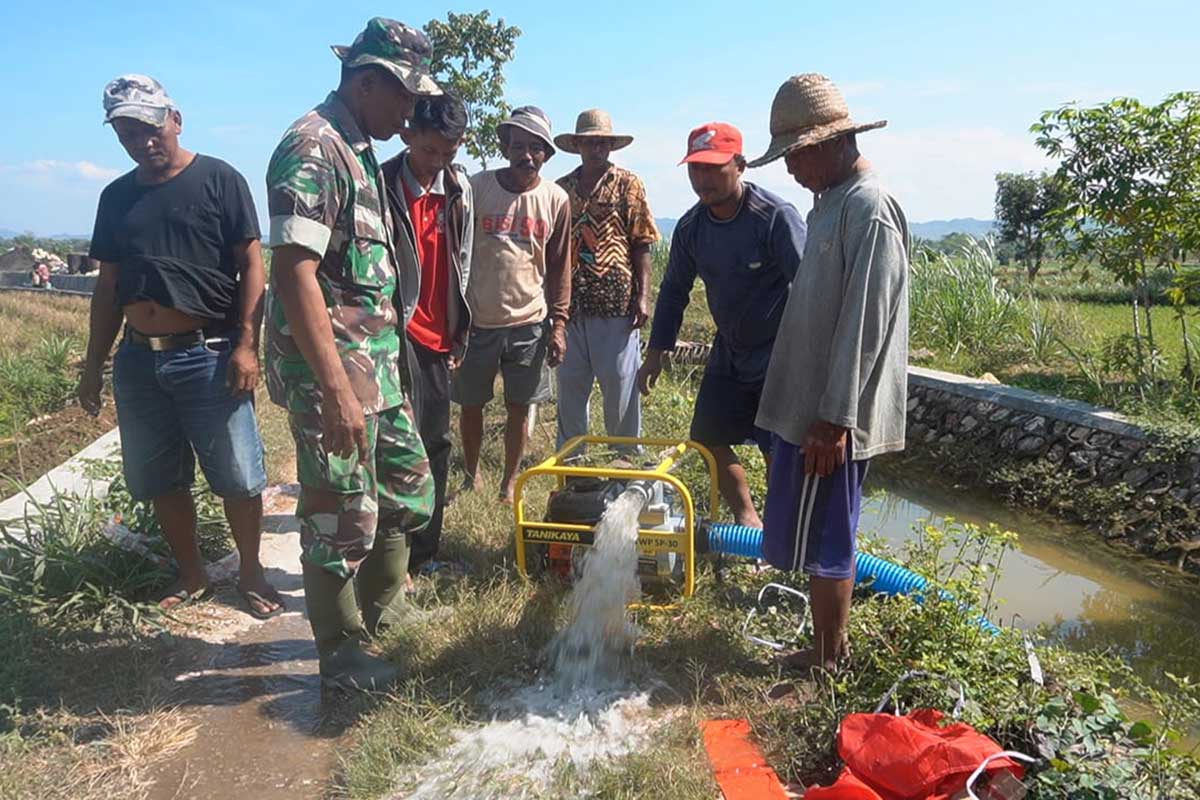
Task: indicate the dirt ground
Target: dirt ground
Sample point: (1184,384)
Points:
(48,441)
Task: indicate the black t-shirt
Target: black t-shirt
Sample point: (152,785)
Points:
(173,242)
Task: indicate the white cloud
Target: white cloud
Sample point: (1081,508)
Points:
(940,173)
(935,173)
(49,168)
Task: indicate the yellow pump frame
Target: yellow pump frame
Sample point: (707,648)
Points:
(682,543)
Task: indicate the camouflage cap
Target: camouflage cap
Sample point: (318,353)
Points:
(401,50)
(138,97)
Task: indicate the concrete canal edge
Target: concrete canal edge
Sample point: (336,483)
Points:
(68,478)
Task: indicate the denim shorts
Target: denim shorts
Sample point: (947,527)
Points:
(174,407)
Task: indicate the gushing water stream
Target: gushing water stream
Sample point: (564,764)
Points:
(593,649)
(587,711)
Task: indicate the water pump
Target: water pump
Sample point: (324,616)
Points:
(667,525)
(583,501)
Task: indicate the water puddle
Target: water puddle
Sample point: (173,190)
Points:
(1084,593)
(263,731)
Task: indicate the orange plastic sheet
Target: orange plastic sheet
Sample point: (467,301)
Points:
(741,770)
(915,757)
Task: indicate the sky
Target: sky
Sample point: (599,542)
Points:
(958,82)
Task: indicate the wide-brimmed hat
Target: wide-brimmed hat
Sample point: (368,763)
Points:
(594,123)
(137,97)
(533,120)
(401,49)
(808,109)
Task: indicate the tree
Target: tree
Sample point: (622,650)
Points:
(1024,204)
(469,54)
(1131,180)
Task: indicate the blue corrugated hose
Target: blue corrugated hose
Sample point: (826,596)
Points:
(885,576)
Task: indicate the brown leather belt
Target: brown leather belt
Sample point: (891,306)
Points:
(175,341)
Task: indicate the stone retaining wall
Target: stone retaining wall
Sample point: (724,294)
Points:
(1062,455)
(1079,461)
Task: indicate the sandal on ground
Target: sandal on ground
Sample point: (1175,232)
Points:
(184,596)
(252,598)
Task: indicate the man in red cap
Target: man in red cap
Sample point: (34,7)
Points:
(745,244)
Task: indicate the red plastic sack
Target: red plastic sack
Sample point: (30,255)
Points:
(908,758)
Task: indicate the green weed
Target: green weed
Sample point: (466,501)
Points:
(57,562)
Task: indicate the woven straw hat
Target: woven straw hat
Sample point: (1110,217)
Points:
(593,123)
(808,109)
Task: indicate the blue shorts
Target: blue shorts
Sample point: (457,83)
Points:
(174,403)
(725,411)
(811,523)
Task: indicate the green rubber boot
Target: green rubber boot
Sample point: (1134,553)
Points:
(338,631)
(381,579)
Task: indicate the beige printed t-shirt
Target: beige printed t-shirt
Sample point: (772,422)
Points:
(520,269)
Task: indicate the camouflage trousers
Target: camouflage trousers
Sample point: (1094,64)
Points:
(389,493)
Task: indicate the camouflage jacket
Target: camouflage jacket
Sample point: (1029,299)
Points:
(325,193)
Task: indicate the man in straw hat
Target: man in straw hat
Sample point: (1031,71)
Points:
(519,294)
(745,244)
(836,389)
(341,291)
(612,230)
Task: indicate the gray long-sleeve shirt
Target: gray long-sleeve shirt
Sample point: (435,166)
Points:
(841,354)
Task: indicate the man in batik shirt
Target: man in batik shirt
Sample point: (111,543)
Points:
(612,231)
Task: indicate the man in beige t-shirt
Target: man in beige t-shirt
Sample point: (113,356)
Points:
(519,294)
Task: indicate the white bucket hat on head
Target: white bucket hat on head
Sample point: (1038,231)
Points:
(533,120)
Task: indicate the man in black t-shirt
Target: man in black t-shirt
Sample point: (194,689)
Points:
(180,263)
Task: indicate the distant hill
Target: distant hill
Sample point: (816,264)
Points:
(938,228)
(9,233)
(934,229)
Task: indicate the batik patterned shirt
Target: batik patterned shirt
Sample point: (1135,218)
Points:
(325,193)
(606,226)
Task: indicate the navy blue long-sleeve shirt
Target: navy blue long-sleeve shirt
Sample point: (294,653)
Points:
(746,263)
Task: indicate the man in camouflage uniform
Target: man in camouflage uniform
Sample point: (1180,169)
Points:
(335,342)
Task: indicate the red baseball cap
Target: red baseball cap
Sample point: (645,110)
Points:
(713,143)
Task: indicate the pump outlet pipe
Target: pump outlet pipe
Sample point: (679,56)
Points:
(886,577)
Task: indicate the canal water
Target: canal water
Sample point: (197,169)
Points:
(1063,580)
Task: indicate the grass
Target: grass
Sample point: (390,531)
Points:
(497,627)
(1064,335)
(25,319)
(41,340)
(88,722)
(82,718)
(82,691)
